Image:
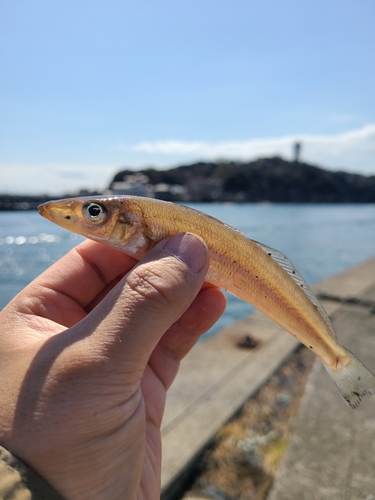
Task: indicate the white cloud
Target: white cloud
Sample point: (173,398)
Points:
(353,150)
(53,178)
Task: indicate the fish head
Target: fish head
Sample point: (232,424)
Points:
(113,220)
(92,217)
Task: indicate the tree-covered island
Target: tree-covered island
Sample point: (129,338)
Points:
(264,180)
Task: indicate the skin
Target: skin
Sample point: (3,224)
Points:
(87,352)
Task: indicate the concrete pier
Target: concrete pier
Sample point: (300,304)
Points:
(332,452)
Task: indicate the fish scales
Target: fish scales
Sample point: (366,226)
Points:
(248,269)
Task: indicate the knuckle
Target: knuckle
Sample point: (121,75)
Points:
(152,286)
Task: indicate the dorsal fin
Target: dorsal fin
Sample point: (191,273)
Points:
(285,263)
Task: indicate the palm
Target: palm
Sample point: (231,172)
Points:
(98,357)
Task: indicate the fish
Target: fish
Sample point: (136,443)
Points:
(250,270)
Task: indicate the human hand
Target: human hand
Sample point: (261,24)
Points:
(87,352)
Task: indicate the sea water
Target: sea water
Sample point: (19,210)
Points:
(320,240)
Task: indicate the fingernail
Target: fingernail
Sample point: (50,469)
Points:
(189,249)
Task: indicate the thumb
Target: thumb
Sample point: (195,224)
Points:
(127,325)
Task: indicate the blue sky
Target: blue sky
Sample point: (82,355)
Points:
(88,86)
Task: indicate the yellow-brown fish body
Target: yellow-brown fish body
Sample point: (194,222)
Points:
(250,270)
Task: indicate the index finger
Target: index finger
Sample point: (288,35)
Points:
(84,272)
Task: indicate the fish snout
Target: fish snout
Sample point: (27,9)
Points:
(63,216)
(45,210)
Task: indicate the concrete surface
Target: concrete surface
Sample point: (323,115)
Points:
(214,382)
(332,452)
(217,378)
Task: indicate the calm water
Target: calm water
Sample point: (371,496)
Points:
(320,240)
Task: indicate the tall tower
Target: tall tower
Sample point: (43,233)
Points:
(297,151)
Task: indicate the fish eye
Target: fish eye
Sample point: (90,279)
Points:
(94,212)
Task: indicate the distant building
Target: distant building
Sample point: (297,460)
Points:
(135,185)
(170,192)
(138,184)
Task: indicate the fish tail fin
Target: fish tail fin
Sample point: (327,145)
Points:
(353,380)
